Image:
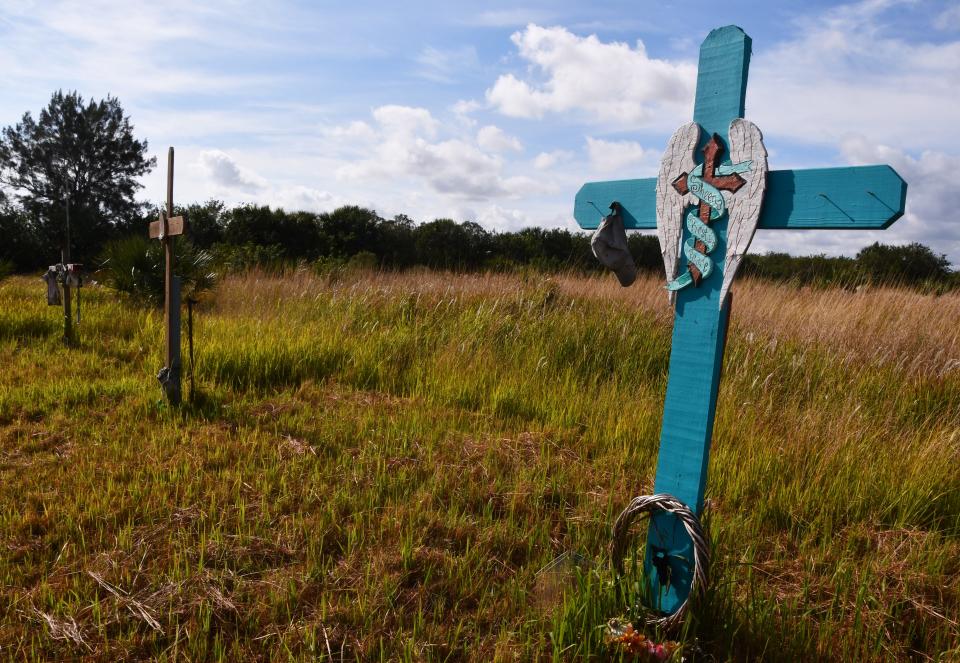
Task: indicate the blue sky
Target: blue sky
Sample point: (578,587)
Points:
(497,112)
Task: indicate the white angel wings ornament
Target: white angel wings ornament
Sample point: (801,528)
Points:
(696,195)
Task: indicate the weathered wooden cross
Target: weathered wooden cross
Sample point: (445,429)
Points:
(686,206)
(165,229)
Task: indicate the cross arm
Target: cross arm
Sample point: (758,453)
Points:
(175,226)
(860,197)
(637,197)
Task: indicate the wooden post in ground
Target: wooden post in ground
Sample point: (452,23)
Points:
(165,229)
(190,302)
(68,337)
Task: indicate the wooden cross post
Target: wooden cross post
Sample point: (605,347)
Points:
(68,337)
(165,229)
(867,198)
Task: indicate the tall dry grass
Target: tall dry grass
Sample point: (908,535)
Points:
(377,466)
(915,332)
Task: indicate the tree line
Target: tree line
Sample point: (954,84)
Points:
(81,159)
(250,235)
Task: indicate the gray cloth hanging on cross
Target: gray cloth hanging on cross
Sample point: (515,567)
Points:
(53,288)
(609,245)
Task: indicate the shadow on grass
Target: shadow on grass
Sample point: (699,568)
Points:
(270,368)
(719,629)
(205,403)
(23,328)
(727,630)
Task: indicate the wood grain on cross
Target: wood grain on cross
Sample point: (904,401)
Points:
(866,197)
(731,183)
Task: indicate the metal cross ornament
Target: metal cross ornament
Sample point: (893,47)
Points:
(710,209)
(165,229)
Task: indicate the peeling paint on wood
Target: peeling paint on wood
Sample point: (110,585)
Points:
(746,144)
(676,163)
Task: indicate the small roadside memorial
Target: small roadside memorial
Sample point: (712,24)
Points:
(713,192)
(166,229)
(61,279)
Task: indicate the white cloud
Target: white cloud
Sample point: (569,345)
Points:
(607,82)
(503,219)
(547,160)
(455,167)
(466,106)
(462,111)
(494,139)
(608,156)
(404,121)
(225,177)
(848,70)
(300,197)
(224,172)
(355,131)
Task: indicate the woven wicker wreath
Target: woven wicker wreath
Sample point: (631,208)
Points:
(645,506)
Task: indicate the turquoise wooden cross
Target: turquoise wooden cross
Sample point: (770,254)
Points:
(714,231)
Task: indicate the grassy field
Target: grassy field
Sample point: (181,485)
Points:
(377,467)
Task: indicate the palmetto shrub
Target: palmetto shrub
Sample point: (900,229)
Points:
(135,266)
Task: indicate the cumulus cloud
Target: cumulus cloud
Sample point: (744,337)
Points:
(608,82)
(866,77)
(494,139)
(300,197)
(407,148)
(501,219)
(546,160)
(224,171)
(608,156)
(462,111)
(356,130)
(466,106)
(225,177)
(405,121)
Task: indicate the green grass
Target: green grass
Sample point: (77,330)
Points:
(376,467)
